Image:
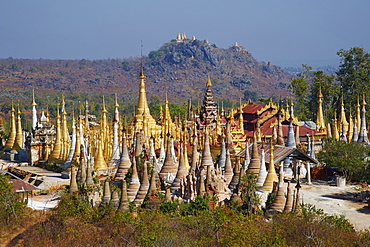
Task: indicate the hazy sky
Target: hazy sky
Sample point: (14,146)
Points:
(285,32)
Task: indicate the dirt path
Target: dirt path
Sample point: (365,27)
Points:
(338,201)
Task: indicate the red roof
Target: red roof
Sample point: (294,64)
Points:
(21,186)
(252,108)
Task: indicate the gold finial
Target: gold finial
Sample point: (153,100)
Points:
(178,36)
(13,110)
(63,102)
(116,101)
(141,76)
(320,123)
(291,100)
(33,97)
(104,110)
(358,101)
(363,99)
(271,148)
(319,94)
(209,83)
(19,110)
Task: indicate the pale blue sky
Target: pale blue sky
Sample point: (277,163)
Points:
(285,32)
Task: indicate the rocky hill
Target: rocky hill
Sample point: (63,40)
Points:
(180,68)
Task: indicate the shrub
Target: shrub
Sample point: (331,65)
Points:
(196,207)
(168,207)
(11,205)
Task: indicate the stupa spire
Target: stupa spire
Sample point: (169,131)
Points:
(34,112)
(134,182)
(358,114)
(263,172)
(144,186)
(228,174)
(18,142)
(320,123)
(99,158)
(209,82)
(254,165)
(125,162)
(73,140)
(280,200)
(206,154)
(181,172)
(115,148)
(362,137)
(54,156)
(13,130)
(271,173)
(342,121)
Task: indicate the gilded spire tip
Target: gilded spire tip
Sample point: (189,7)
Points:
(209,82)
(33,97)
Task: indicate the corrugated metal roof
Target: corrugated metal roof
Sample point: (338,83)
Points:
(280,153)
(21,186)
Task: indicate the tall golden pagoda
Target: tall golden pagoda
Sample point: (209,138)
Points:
(342,121)
(13,130)
(320,123)
(54,155)
(65,134)
(142,113)
(358,114)
(18,142)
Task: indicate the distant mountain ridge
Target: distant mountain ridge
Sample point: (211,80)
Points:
(179,68)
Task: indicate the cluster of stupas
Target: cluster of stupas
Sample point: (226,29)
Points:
(207,153)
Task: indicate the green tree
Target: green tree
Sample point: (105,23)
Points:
(350,158)
(252,95)
(11,206)
(331,91)
(155,100)
(354,73)
(300,87)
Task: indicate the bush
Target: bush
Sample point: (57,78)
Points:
(196,207)
(168,207)
(11,205)
(71,206)
(350,158)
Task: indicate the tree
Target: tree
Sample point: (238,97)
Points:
(155,100)
(354,73)
(350,158)
(251,200)
(11,205)
(329,88)
(252,95)
(300,88)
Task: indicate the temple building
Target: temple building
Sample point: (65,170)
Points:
(207,153)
